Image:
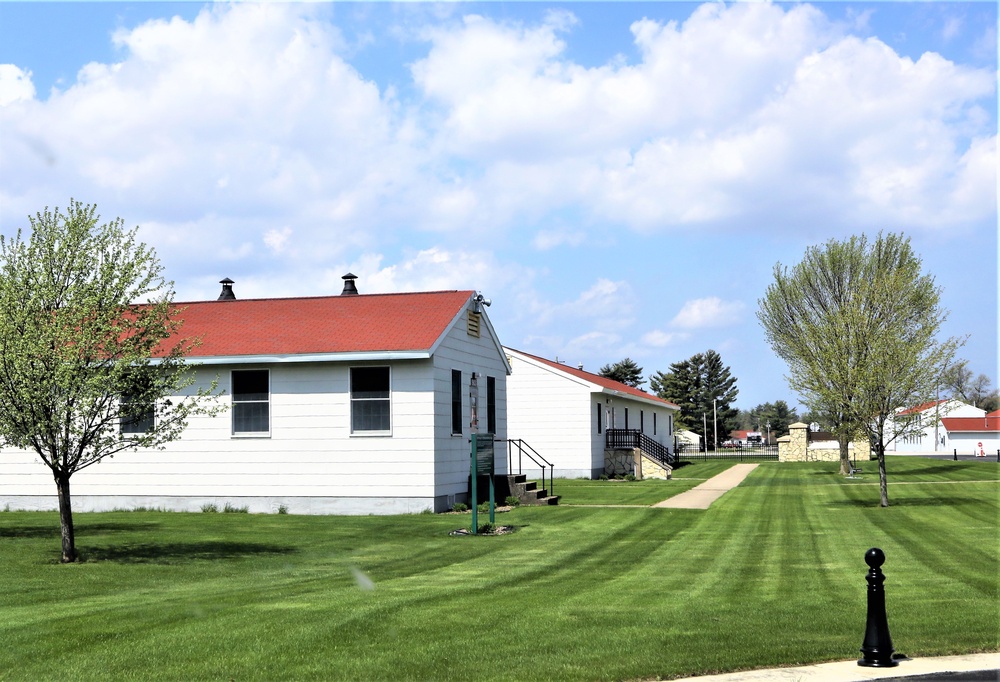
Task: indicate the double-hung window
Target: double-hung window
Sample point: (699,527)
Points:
(370,402)
(137,417)
(251,402)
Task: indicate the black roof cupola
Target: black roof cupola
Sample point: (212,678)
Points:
(227,290)
(349,288)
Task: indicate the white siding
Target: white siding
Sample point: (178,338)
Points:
(555,415)
(931,428)
(310,461)
(460,351)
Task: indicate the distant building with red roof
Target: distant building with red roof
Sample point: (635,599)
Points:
(564,413)
(974,435)
(925,428)
(349,404)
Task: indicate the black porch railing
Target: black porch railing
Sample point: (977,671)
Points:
(525,450)
(617,439)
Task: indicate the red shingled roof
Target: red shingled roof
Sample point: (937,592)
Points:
(604,382)
(990,422)
(323,324)
(921,408)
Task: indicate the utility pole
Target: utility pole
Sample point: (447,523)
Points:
(704,430)
(715,424)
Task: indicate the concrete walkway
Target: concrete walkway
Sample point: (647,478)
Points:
(969,667)
(702,496)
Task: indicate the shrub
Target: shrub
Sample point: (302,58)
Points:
(230,509)
(426,510)
(603,477)
(512,501)
(630,477)
(282,509)
(485,528)
(210,508)
(484,508)
(459,507)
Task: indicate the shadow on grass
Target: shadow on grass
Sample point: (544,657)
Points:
(940,469)
(80,530)
(177,552)
(906,502)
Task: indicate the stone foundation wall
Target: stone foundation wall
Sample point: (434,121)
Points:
(650,468)
(620,462)
(625,462)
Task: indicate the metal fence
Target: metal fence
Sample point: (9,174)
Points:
(761,453)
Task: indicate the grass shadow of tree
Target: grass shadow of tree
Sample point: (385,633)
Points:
(52,530)
(906,501)
(180,552)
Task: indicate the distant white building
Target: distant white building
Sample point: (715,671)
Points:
(974,435)
(925,426)
(688,439)
(350,404)
(565,413)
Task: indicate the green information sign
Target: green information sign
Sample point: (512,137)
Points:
(481,465)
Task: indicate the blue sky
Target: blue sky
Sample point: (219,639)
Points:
(620,178)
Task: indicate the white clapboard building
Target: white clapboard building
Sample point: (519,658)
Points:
(572,417)
(349,404)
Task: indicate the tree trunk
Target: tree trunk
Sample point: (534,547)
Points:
(845,456)
(883,484)
(66,519)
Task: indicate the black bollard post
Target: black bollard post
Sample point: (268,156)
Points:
(877,647)
(956,454)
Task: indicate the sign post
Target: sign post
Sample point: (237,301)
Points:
(481,463)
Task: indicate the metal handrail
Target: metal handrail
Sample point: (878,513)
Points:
(524,449)
(633,438)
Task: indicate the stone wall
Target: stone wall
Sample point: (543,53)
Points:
(795,447)
(624,462)
(650,468)
(620,462)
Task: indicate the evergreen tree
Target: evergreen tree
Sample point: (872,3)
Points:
(777,414)
(705,390)
(625,371)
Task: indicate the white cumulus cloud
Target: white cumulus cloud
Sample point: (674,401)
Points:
(15,85)
(708,312)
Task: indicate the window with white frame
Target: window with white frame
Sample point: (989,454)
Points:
(137,417)
(370,400)
(251,402)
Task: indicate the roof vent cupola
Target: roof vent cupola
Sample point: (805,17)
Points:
(227,290)
(349,288)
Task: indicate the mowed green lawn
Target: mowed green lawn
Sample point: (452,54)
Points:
(771,575)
